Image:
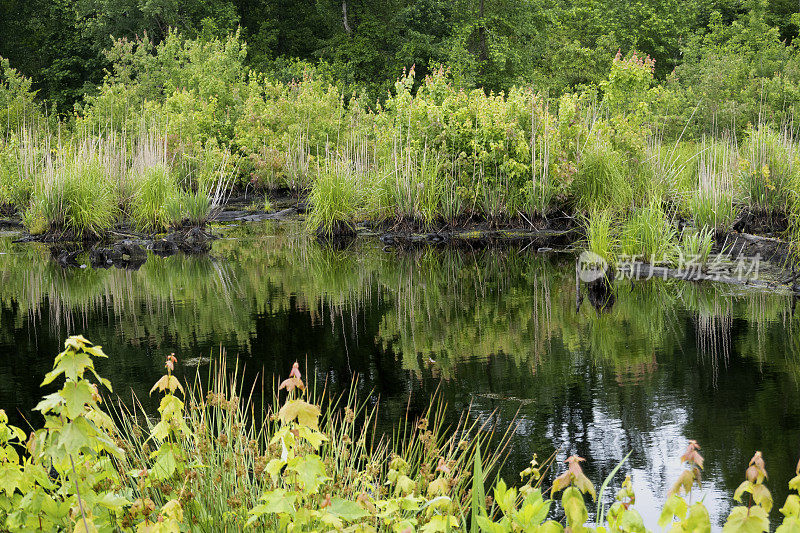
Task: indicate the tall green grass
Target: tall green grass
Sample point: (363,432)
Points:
(417,189)
(155,188)
(650,234)
(77,198)
(601,180)
(696,246)
(769,169)
(336,196)
(601,235)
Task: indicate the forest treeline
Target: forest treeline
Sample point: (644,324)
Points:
(734,53)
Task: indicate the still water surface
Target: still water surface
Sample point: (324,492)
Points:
(494,329)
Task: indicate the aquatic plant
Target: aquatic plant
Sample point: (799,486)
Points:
(769,170)
(601,235)
(75,197)
(714,211)
(695,246)
(649,234)
(336,196)
(155,189)
(601,181)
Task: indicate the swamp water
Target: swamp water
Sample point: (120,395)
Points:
(494,329)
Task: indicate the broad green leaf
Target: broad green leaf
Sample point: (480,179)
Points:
(440,524)
(574,507)
(744,520)
(72,365)
(488,526)
(167,382)
(312,436)
(348,511)
(273,468)
(310,472)
(95,351)
(762,497)
(76,436)
(277,501)
(10,478)
(113,501)
(76,395)
(744,486)
(305,413)
(166,463)
(405,485)
(675,506)
(791,524)
(438,487)
(698,520)
(551,526)
(50,403)
(632,522)
(794,484)
(792,506)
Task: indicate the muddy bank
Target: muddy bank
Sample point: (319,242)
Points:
(130,253)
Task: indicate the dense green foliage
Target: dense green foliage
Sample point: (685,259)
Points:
(648,112)
(723,51)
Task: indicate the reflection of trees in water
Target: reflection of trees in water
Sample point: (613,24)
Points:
(498,326)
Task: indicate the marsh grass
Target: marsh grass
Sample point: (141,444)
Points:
(696,246)
(601,234)
(156,188)
(346,184)
(76,197)
(231,447)
(650,234)
(417,188)
(601,180)
(769,169)
(712,210)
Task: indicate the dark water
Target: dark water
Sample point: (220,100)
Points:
(497,330)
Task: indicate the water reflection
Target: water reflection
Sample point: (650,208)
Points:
(497,329)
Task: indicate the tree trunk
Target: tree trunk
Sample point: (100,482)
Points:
(344,17)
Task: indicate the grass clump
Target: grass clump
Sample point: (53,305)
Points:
(695,246)
(336,197)
(155,188)
(601,179)
(76,198)
(712,210)
(601,237)
(418,188)
(769,169)
(649,234)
